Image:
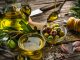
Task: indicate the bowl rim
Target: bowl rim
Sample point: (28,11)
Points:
(22,48)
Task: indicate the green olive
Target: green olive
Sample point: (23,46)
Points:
(46,34)
(50,38)
(56,37)
(61,34)
(11,44)
(58,29)
(55,25)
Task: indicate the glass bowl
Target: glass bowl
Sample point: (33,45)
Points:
(54,32)
(31,42)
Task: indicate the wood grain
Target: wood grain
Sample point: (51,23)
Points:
(43,17)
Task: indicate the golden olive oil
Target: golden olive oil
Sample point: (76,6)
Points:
(31,45)
(13,14)
(53,16)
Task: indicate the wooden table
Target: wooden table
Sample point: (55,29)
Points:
(43,18)
(35,4)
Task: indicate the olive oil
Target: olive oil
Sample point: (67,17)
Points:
(54,15)
(13,13)
(31,45)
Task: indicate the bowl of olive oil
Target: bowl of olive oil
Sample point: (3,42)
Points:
(31,44)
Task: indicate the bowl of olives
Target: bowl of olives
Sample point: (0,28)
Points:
(54,33)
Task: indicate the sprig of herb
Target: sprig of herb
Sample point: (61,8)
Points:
(76,9)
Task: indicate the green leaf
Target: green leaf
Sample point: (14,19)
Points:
(11,44)
(76,9)
(9,28)
(26,27)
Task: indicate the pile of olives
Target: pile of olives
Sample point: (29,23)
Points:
(53,32)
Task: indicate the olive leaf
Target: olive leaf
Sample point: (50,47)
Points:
(75,10)
(26,27)
(3,37)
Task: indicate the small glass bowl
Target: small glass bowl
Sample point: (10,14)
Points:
(30,43)
(56,39)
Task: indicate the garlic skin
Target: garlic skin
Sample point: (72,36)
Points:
(76,44)
(77,49)
(64,48)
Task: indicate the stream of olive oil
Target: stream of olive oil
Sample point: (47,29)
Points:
(54,15)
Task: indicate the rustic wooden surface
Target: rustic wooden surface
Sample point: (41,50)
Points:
(49,53)
(35,4)
(42,18)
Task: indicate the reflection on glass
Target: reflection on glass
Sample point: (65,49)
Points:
(31,45)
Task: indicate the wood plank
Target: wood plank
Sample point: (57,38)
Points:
(65,9)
